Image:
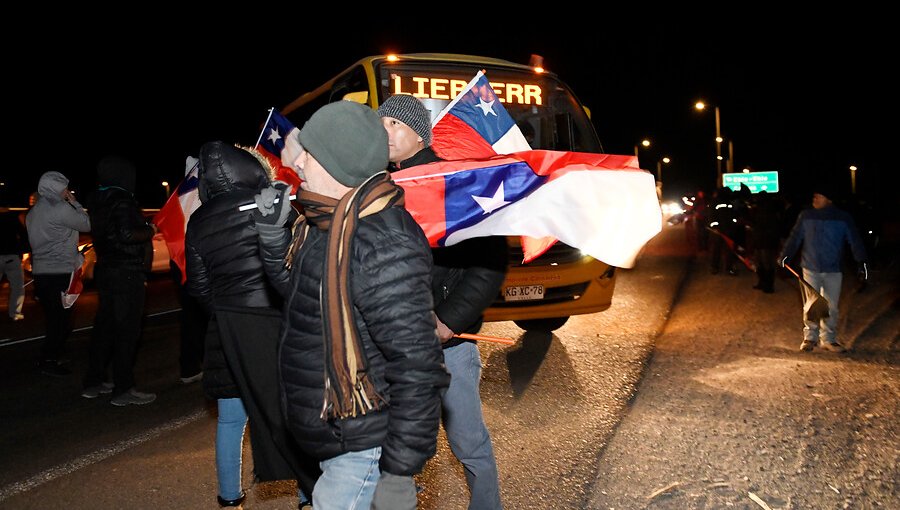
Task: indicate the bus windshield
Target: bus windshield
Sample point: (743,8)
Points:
(544,108)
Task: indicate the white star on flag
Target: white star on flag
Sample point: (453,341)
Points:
(486,108)
(274,136)
(490,204)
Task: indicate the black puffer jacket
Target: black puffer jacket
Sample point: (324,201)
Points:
(224,268)
(390,273)
(122,237)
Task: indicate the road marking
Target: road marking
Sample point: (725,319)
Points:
(92,458)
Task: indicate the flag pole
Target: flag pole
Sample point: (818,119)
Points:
(486,338)
(263,131)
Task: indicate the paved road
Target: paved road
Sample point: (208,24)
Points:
(572,386)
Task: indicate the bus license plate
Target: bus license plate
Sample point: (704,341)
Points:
(524,293)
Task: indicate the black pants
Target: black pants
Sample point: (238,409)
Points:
(193,333)
(765,268)
(117,327)
(57,320)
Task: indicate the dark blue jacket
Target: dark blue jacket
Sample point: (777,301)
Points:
(823,233)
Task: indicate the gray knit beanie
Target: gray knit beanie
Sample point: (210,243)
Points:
(348,140)
(410,111)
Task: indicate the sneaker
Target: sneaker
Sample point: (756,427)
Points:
(95,391)
(192,379)
(833,347)
(807,345)
(18,317)
(53,368)
(132,396)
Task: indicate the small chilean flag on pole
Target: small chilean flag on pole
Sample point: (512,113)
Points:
(173,218)
(278,143)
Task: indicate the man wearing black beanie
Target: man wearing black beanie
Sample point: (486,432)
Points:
(465,280)
(823,232)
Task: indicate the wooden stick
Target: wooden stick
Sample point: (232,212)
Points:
(486,338)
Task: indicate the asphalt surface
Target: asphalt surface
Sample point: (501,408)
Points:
(593,416)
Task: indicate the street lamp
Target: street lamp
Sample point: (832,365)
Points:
(165,184)
(853,179)
(645,143)
(659,165)
(700,105)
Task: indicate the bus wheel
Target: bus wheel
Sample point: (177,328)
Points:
(542,325)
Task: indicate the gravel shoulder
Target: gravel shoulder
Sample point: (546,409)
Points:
(731,414)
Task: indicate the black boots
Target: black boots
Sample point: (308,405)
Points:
(232,502)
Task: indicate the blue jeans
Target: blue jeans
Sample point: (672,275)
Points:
(229,446)
(348,481)
(829,285)
(464,424)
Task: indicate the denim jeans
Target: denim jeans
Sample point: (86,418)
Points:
(829,285)
(464,424)
(348,481)
(229,446)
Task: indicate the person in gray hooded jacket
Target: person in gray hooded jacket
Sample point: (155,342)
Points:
(53,225)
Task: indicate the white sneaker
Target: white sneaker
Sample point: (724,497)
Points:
(133,396)
(833,347)
(18,317)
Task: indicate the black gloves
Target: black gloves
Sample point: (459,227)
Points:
(273,204)
(394,492)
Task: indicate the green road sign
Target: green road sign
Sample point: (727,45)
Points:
(756,181)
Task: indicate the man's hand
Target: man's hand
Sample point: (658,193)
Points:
(443,332)
(267,210)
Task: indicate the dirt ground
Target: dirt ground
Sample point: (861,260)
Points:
(731,414)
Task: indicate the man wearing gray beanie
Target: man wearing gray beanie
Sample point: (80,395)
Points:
(355,278)
(465,280)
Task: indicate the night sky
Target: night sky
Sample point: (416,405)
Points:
(806,100)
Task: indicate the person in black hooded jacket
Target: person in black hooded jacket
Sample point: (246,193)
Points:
(123,245)
(225,274)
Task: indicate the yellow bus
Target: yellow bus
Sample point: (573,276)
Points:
(544,293)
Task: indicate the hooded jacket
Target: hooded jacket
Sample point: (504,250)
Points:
(122,237)
(53,226)
(224,268)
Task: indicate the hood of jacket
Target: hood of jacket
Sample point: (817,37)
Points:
(113,171)
(224,167)
(51,185)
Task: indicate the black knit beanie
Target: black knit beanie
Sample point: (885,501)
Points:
(348,140)
(410,111)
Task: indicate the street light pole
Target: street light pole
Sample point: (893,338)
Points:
(718,150)
(853,179)
(645,143)
(166,185)
(659,180)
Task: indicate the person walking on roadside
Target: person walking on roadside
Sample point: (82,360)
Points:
(465,280)
(225,274)
(361,366)
(123,245)
(13,245)
(765,227)
(823,232)
(53,225)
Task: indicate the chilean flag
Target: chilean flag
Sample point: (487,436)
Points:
(602,204)
(278,143)
(172,218)
(476,125)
